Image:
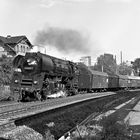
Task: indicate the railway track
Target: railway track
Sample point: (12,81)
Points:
(96,116)
(17,110)
(13,106)
(28,112)
(11,112)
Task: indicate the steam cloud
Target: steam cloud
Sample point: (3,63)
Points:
(64,40)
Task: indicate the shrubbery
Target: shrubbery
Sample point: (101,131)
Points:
(111,130)
(6,70)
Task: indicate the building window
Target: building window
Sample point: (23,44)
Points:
(17,48)
(21,49)
(24,49)
(28,49)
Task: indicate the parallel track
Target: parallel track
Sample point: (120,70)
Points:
(20,110)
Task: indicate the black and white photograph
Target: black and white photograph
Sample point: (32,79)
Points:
(69,70)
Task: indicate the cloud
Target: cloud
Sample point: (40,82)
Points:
(77,0)
(49,3)
(123,1)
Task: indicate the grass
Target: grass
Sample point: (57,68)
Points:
(112,129)
(4,93)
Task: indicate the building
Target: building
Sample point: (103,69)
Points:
(14,45)
(38,49)
(86,60)
(108,56)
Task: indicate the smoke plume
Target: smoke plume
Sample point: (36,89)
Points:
(64,40)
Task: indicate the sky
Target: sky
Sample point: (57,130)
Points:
(106,26)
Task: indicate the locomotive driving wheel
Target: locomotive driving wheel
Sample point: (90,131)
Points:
(16,96)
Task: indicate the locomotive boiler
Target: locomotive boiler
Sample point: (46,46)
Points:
(39,76)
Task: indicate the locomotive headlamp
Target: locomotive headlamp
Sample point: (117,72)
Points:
(16,81)
(17,69)
(35,82)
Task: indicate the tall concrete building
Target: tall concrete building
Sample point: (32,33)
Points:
(86,60)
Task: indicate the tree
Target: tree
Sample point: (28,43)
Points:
(106,63)
(125,69)
(136,66)
(6,70)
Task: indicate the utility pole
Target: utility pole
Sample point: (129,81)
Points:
(116,64)
(115,59)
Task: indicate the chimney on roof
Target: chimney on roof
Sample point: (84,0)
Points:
(8,36)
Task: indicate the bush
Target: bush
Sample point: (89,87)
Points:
(114,130)
(5,93)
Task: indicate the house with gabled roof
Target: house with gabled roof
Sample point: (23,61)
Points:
(13,45)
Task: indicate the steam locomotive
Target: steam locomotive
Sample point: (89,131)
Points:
(39,76)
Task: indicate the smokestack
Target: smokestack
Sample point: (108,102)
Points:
(121,57)
(89,60)
(115,59)
(102,68)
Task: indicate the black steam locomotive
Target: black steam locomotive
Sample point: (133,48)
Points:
(38,76)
